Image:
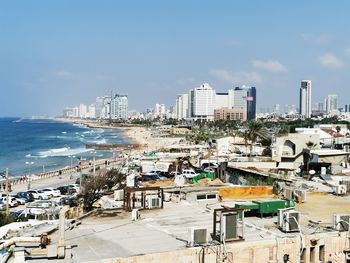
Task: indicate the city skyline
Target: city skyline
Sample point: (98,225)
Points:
(54,55)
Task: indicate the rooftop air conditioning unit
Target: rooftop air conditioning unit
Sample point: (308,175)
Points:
(341,222)
(229,226)
(340,189)
(288,220)
(197,236)
(119,195)
(153,202)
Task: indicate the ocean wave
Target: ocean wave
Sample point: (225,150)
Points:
(65,151)
(64,132)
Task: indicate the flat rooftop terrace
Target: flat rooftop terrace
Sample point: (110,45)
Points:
(115,235)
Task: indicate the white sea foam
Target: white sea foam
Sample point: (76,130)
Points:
(64,132)
(65,151)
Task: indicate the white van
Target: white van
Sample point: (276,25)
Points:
(189,174)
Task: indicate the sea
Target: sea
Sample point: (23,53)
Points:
(29,146)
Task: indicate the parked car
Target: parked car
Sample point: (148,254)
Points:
(66,190)
(20,201)
(38,194)
(11,201)
(147,178)
(153,173)
(166,174)
(52,192)
(189,174)
(25,195)
(74,186)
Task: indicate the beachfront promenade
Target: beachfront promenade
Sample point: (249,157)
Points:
(56,178)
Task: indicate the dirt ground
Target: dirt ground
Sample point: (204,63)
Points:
(322,206)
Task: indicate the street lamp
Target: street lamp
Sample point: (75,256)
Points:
(71,160)
(94,160)
(29,176)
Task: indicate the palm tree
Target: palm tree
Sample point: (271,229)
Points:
(255,130)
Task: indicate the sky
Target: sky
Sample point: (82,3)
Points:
(55,54)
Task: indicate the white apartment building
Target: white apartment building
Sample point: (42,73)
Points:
(159,110)
(331,103)
(92,111)
(305,98)
(202,102)
(82,110)
(181,106)
(119,107)
(103,107)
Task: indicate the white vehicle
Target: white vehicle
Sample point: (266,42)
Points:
(189,174)
(12,201)
(38,194)
(20,201)
(52,192)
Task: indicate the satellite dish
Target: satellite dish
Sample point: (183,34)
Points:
(312,172)
(179,180)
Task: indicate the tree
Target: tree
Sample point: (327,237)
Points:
(255,130)
(95,185)
(198,137)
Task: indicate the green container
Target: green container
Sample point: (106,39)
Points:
(272,206)
(247,206)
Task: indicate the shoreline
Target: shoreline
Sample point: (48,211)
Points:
(24,174)
(133,134)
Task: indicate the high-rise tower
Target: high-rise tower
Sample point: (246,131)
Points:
(305,98)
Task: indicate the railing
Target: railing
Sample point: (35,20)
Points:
(17,180)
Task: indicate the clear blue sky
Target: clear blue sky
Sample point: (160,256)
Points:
(60,53)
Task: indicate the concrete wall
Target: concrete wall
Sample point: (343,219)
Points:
(262,251)
(264,165)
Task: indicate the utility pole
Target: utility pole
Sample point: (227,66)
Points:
(7,191)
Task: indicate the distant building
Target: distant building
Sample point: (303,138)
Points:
(245,96)
(75,112)
(102,107)
(119,107)
(159,110)
(305,98)
(202,102)
(82,110)
(347,108)
(221,100)
(68,113)
(92,111)
(181,106)
(331,103)
(236,114)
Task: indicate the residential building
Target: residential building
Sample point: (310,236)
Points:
(181,107)
(82,110)
(92,111)
(202,102)
(305,98)
(103,107)
(159,110)
(68,113)
(331,103)
(119,107)
(237,114)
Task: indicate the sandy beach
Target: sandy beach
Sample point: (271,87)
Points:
(143,136)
